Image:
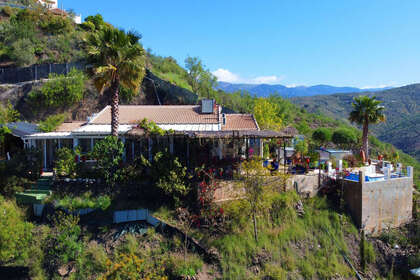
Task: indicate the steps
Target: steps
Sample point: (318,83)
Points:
(44,183)
(38,192)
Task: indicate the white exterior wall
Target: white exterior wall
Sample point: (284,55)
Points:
(50,4)
(77,19)
(191,127)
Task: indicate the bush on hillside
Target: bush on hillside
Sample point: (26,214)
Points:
(322,135)
(8,11)
(15,233)
(23,52)
(54,24)
(168,174)
(92,262)
(344,138)
(60,90)
(83,201)
(63,242)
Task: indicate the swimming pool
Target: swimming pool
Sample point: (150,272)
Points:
(355,177)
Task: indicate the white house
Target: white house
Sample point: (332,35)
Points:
(50,4)
(53,6)
(198,132)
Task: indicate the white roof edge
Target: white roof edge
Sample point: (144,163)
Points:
(255,121)
(48,135)
(96,115)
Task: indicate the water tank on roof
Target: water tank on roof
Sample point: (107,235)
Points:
(207,106)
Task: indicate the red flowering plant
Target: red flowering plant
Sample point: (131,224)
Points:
(211,215)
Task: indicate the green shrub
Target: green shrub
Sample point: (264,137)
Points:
(393,237)
(60,90)
(130,245)
(322,135)
(109,153)
(178,268)
(370,254)
(23,52)
(63,244)
(35,261)
(15,233)
(51,123)
(168,174)
(55,24)
(274,272)
(345,164)
(306,269)
(24,164)
(151,127)
(8,11)
(92,262)
(65,164)
(83,201)
(345,138)
(12,184)
(130,266)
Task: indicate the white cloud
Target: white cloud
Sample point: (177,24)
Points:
(266,80)
(224,75)
(379,86)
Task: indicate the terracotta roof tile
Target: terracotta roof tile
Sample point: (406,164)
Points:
(69,126)
(240,122)
(164,114)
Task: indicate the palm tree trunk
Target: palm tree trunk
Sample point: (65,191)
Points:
(114,107)
(366,139)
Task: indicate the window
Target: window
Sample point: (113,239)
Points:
(85,145)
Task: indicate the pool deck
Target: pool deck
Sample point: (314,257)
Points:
(376,205)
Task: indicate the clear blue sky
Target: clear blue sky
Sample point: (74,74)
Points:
(364,43)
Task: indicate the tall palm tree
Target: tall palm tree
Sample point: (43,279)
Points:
(366,111)
(118,60)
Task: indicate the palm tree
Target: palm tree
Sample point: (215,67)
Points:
(366,111)
(118,60)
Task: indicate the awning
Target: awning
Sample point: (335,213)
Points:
(22,129)
(288,132)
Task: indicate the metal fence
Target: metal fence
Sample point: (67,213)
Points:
(13,75)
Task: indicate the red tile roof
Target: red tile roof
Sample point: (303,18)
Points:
(164,114)
(58,11)
(176,114)
(240,122)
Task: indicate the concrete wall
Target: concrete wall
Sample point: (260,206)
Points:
(306,185)
(380,205)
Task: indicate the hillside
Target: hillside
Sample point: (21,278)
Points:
(36,35)
(402,105)
(264,90)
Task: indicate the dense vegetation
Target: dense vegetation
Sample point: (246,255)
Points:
(29,36)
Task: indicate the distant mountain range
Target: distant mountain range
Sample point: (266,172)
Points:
(402,110)
(264,90)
